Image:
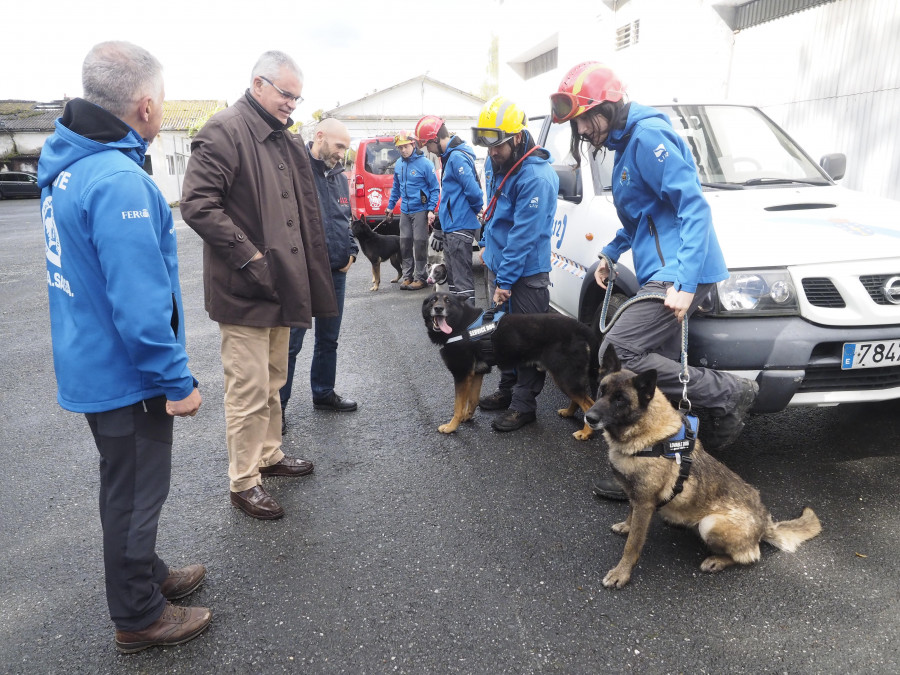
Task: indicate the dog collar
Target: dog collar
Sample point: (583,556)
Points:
(679,448)
(485,324)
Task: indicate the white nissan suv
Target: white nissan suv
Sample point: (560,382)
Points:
(812,307)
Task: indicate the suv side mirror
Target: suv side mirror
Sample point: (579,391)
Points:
(835,165)
(570,188)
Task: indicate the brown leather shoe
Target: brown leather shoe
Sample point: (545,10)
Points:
(258,503)
(182,582)
(176,625)
(415,286)
(288,466)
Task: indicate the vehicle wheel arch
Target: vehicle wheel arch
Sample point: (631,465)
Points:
(592,295)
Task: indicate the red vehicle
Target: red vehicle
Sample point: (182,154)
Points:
(371,178)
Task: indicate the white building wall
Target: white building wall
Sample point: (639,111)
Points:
(830,76)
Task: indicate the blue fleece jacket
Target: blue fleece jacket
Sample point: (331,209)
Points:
(112,269)
(517,237)
(666,220)
(461,195)
(413,178)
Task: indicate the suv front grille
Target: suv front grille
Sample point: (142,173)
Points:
(874,285)
(821,293)
(832,378)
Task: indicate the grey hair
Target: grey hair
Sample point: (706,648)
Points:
(270,64)
(117,74)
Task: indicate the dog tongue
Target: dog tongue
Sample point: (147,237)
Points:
(442,325)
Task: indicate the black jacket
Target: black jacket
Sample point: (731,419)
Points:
(334,205)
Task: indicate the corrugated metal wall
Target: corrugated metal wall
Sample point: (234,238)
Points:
(830,76)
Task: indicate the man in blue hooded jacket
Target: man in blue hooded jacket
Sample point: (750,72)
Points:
(416,188)
(117,327)
(461,201)
(667,224)
(516,242)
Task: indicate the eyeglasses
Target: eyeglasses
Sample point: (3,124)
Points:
(286,95)
(489,137)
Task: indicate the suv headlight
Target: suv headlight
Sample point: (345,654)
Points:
(768,292)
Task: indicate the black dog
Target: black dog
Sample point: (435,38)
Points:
(378,248)
(564,347)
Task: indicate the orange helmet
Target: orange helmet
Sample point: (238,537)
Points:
(428,127)
(586,85)
(404,138)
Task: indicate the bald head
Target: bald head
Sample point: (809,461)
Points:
(331,141)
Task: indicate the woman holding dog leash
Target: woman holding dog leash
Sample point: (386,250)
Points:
(667,224)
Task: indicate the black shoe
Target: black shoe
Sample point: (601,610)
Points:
(499,400)
(724,430)
(609,488)
(512,420)
(334,402)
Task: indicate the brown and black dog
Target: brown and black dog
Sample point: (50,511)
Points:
(637,419)
(378,248)
(564,347)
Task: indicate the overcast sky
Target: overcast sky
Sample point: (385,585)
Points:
(346,48)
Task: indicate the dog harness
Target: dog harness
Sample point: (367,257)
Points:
(485,324)
(679,448)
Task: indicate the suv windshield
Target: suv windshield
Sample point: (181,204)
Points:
(380,158)
(739,145)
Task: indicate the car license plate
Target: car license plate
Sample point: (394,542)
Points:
(870,354)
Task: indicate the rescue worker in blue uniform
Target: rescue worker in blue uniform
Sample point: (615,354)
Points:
(522,192)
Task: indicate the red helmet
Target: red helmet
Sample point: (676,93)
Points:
(428,127)
(586,85)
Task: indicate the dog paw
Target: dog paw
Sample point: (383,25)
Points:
(447,428)
(621,528)
(566,412)
(617,577)
(582,435)
(374,288)
(716,563)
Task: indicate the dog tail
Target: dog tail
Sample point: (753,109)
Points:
(788,535)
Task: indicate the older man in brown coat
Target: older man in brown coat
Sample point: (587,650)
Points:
(250,194)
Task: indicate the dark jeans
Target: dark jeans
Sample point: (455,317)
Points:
(323,371)
(530,295)
(135,445)
(458,259)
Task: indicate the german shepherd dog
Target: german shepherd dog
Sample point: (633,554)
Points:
(378,248)
(564,347)
(727,512)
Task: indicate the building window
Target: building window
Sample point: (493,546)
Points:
(628,35)
(542,63)
(170,164)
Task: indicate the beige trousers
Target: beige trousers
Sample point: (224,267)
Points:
(255,364)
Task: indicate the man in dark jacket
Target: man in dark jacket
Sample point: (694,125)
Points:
(326,152)
(250,194)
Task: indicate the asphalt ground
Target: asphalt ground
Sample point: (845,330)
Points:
(408,551)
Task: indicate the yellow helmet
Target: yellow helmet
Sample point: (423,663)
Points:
(500,119)
(404,138)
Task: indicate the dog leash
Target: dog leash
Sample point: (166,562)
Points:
(383,221)
(684,377)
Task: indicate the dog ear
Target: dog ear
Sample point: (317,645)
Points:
(611,363)
(645,385)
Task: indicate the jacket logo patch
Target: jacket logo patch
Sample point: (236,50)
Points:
(130,215)
(51,234)
(534,203)
(624,178)
(460,169)
(661,152)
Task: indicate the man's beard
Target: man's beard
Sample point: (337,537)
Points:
(505,166)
